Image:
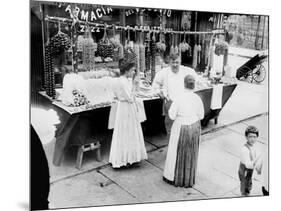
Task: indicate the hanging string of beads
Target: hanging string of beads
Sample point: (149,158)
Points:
(153,56)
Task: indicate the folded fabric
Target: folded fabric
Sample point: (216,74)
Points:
(216,102)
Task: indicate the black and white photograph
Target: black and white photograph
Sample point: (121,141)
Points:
(135,105)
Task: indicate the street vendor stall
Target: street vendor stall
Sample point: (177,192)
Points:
(81,54)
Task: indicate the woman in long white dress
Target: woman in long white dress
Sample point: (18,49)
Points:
(127,146)
(181,162)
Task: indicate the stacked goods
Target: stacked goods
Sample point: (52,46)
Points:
(100,73)
(89,48)
(49,72)
(79,99)
(74,91)
(105,47)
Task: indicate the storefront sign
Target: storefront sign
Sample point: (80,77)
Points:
(92,15)
(136,10)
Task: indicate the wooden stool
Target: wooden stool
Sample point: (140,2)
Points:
(85,148)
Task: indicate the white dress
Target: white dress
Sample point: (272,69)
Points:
(127,144)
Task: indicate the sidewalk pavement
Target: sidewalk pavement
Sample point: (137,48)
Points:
(217,174)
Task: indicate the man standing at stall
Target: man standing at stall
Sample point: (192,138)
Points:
(169,83)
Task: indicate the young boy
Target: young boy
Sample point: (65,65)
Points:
(248,160)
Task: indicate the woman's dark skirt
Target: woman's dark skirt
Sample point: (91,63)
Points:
(187,155)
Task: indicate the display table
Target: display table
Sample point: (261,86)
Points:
(78,125)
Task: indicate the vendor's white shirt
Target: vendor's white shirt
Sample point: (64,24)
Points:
(172,84)
(187,107)
(158,80)
(245,156)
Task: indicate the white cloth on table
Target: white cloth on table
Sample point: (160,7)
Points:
(216,102)
(127,144)
(185,110)
(218,63)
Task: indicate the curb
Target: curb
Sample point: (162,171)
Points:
(234,123)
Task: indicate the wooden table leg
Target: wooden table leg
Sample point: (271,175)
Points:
(79,157)
(98,155)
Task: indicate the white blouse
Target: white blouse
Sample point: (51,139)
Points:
(171,83)
(249,156)
(187,107)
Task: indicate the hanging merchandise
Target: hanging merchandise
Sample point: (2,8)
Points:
(105,48)
(118,47)
(189,53)
(60,42)
(142,56)
(225,58)
(177,50)
(49,72)
(212,54)
(137,52)
(186,21)
(184,46)
(206,49)
(195,56)
(89,48)
(220,48)
(199,49)
(120,51)
(147,53)
(172,48)
(153,55)
(80,40)
(129,54)
(160,45)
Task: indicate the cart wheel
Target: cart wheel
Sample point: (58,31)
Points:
(248,74)
(259,73)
